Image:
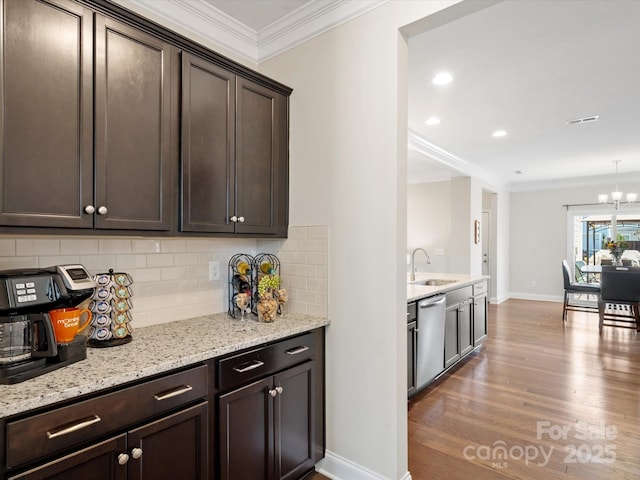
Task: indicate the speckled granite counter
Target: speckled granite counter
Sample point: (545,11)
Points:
(417,292)
(154,349)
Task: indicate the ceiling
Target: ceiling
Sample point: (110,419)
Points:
(525,66)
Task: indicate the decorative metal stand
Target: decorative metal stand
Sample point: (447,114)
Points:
(264,264)
(241,280)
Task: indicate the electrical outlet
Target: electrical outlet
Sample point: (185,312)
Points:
(214,270)
(439,251)
(533,283)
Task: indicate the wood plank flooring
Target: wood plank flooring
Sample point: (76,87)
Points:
(562,400)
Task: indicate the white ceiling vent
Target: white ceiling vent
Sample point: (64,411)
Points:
(593,118)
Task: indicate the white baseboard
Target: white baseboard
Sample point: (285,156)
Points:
(339,468)
(540,298)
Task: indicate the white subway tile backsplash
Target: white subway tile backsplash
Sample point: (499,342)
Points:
(7,247)
(125,262)
(82,246)
(171,275)
(9,263)
(160,260)
(49,261)
(37,247)
(146,246)
(114,245)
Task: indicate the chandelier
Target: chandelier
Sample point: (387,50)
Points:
(616,196)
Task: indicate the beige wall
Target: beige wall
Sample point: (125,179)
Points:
(538,230)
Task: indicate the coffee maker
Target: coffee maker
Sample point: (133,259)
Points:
(28,346)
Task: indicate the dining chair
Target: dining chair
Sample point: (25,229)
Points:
(619,288)
(571,287)
(606,261)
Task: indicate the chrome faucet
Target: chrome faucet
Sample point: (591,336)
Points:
(413,262)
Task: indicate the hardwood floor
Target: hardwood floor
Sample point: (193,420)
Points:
(563,400)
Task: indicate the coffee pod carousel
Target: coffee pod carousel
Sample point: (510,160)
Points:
(111,307)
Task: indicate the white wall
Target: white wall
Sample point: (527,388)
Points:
(538,230)
(429,224)
(348,170)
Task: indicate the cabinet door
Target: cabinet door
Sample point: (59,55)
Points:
(480,327)
(46,110)
(97,462)
(173,447)
(208,146)
(262,166)
(245,437)
(411,358)
(132,140)
(451,334)
(465,325)
(294,422)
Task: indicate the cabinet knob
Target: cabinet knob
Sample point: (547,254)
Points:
(136,453)
(279,389)
(102,210)
(90,209)
(123,458)
(234,219)
(273,392)
(241,219)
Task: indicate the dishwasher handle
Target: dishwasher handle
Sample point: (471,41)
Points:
(433,302)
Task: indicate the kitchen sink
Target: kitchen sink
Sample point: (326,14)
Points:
(433,282)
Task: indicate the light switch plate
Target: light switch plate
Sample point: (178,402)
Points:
(214,270)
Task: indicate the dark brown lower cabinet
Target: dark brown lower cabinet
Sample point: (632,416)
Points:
(172,447)
(267,428)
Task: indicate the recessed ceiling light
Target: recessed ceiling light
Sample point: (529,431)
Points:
(432,121)
(443,78)
(499,133)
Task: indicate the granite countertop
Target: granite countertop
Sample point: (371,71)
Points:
(154,349)
(418,292)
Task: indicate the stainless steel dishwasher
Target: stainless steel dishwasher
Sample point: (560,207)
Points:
(430,347)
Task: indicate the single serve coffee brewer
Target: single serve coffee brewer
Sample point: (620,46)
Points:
(28,345)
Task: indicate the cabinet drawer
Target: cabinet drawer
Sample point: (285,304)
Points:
(245,367)
(480,287)
(47,433)
(459,295)
(411,312)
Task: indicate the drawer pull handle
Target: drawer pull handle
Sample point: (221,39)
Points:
(253,365)
(296,351)
(85,422)
(173,393)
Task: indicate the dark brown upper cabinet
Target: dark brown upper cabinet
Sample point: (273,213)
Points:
(234,153)
(46,114)
(132,129)
(50,177)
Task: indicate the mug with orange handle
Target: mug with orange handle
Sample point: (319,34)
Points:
(66,322)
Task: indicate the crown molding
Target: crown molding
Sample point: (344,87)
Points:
(308,21)
(204,20)
(423,146)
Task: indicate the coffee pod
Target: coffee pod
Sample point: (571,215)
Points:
(121,292)
(101,333)
(122,279)
(120,331)
(100,306)
(103,280)
(101,320)
(122,304)
(121,317)
(102,293)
